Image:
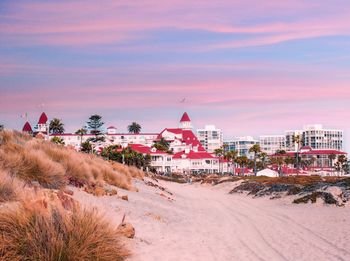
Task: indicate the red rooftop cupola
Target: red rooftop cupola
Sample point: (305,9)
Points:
(27,128)
(185,117)
(43,118)
(185,122)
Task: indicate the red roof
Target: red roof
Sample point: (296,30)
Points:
(311,152)
(191,139)
(193,155)
(185,117)
(174,130)
(27,127)
(43,118)
(111,127)
(306,148)
(188,137)
(323,152)
(144,149)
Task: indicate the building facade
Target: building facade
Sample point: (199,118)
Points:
(316,137)
(210,138)
(241,145)
(272,143)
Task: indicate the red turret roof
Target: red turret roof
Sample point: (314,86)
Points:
(111,127)
(27,127)
(185,117)
(43,118)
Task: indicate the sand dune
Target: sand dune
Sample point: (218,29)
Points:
(205,223)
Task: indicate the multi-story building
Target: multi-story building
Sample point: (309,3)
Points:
(241,145)
(316,137)
(291,145)
(210,138)
(188,155)
(272,143)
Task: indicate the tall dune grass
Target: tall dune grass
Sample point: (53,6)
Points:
(33,232)
(53,165)
(7,189)
(35,223)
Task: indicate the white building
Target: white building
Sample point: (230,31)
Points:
(42,125)
(188,154)
(241,145)
(291,145)
(210,138)
(272,143)
(316,137)
(122,139)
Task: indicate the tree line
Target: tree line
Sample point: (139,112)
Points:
(261,160)
(93,126)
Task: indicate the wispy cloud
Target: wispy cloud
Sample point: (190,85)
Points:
(82,23)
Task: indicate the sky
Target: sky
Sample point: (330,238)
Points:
(251,67)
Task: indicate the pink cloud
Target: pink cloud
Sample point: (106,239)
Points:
(86,23)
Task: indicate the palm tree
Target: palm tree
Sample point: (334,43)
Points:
(219,152)
(331,157)
(342,163)
(256,150)
(162,145)
(242,161)
(297,139)
(289,161)
(263,157)
(279,161)
(81,132)
(280,152)
(134,128)
(57,140)
(56,126)
(231,156)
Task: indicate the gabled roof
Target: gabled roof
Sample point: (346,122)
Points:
(144,149)
(27,127)
(193,155)
(185,117)
(43,118)
(188,137)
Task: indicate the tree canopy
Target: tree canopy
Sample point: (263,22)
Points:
(56,126)
(94,124)
(162,145)
(134,127)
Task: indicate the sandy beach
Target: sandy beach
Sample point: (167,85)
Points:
(202,222)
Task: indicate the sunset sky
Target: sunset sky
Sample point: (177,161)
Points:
(250,67)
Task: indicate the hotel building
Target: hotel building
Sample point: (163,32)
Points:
(241,145)
(316,137)
(210,138)
(272,143)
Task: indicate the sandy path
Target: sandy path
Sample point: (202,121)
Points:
(205,223)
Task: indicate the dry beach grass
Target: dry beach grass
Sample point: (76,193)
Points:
(38,221)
